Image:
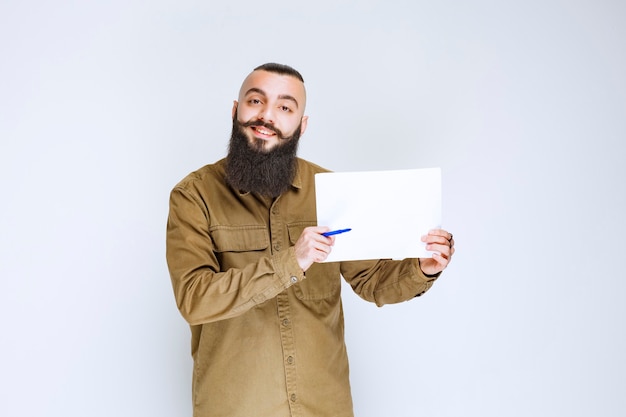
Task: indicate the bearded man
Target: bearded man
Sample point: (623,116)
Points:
(267,339)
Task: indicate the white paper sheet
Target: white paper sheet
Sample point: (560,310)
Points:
(388,212)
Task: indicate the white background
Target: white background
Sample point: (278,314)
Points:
(104,106)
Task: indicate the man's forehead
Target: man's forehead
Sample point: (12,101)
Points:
(273,84)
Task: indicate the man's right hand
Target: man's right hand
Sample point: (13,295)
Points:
(312,246)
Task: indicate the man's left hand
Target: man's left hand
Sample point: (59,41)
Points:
(441,243)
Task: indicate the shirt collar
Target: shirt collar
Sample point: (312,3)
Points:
(297,179)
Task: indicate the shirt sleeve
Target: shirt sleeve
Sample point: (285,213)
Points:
(204,293)
(387,281)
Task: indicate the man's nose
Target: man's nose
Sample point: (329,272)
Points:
(266,114)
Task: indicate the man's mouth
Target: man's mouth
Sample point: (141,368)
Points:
(263,131)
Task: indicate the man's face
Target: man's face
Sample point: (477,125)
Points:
(270,109)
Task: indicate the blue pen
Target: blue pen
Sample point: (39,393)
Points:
(335,232)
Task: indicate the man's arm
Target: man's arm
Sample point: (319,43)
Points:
(203,291)
(387,281)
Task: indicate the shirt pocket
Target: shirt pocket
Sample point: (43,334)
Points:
(323,280)
(237,246)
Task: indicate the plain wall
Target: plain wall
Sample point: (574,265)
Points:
(104,106)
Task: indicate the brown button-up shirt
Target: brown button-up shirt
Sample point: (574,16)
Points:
(267,340)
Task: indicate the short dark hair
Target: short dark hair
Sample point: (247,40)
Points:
(280,69)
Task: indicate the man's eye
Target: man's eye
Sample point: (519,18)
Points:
(285,108)
(254,101)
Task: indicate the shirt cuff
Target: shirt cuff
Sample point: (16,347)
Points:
(287,267)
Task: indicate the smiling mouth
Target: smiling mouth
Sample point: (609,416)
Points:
(262,132)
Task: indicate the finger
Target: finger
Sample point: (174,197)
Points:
(436,236)
(443,251)
(312,231)
(441,236)
(441,260)
(314,236)
(439,232)
(319,232)
(323,245)
(442,248)
(322,252)
(433,265)
(448,254)
(443,233)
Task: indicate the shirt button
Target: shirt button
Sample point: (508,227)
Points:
(294,279)
(290,360)
(293,398)
(277,247)
(285,322)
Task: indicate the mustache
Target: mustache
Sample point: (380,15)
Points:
(260,123)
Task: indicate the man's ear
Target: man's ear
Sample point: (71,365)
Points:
(235,108)
(305,122)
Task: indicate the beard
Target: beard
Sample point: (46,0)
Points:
(251,168)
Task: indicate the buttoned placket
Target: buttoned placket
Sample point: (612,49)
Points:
(279,242)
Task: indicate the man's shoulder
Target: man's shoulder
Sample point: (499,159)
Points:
(309,166)
(208,174)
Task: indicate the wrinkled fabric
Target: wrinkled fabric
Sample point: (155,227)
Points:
(267,340)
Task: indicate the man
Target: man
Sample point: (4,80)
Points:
(244,253)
